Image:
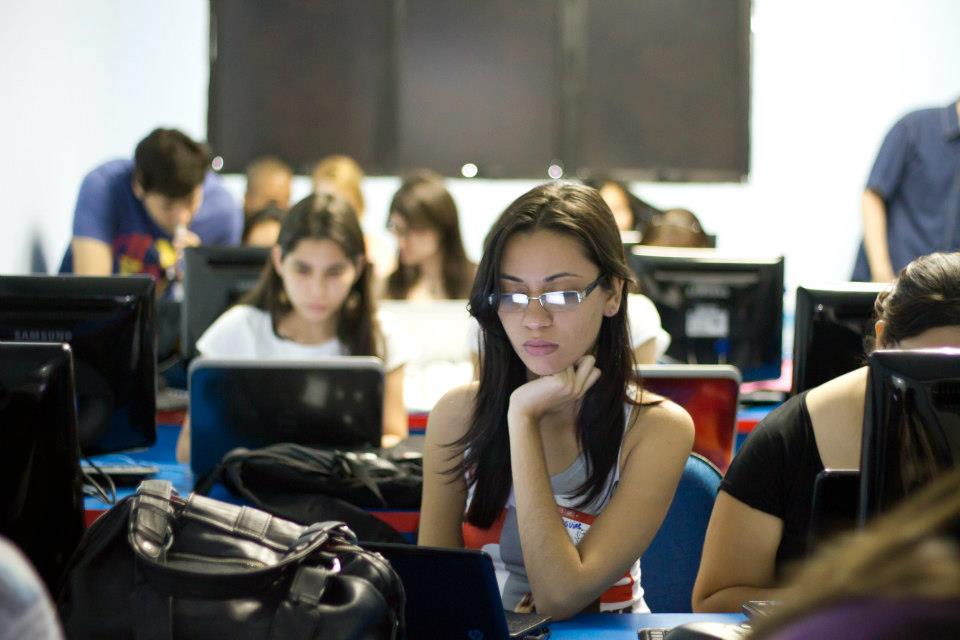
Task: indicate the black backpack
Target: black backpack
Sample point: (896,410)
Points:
(306,484)
(158,567)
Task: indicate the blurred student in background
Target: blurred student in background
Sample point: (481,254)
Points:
(269,180)
(631,213)
(761,518)
(431,261)
(911,205)
(262,228)
(676,228)
(136,216)
(342,175)
(313,299)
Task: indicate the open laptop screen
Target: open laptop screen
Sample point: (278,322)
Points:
(453,593)
(333,402)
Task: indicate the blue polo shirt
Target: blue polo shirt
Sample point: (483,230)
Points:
(917,174)
(108,210)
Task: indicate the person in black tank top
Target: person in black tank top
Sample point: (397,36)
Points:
(760,521)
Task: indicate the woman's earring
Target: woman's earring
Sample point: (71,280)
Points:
(282,297)
(352,302)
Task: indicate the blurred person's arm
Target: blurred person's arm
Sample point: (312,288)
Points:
(875,236)
(183,441)
(394,411)
(91,257)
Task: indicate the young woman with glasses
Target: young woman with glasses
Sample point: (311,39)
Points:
(431,261)
(556,460)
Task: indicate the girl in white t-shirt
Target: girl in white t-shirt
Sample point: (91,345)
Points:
(313,300)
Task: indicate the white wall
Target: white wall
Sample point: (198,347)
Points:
(82,83)
(85,81)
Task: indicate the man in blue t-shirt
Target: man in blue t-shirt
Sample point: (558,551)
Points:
(137,216)
(911,206)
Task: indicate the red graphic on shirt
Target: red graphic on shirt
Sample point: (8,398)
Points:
(136,253)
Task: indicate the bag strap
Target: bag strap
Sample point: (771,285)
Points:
(199,584)
(299,614)
(150,529)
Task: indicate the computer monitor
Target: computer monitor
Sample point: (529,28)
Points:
(214,279)
(109,323)
(911,424)
(718,309)
(41,503)
(832,323)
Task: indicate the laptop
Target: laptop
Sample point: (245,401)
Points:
(328,402)
(453,594)
(438,334)
(709,393)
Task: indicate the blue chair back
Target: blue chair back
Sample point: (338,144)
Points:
(669,565)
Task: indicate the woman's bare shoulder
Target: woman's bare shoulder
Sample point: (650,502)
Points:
(451,416)
(660,419)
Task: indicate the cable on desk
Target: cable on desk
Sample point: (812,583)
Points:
(92,487)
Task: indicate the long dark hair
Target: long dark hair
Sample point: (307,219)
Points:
(424,202)
(325,216)
(579,212)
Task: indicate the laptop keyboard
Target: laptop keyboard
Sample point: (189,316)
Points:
(123,474)
(520,623)
(723,631)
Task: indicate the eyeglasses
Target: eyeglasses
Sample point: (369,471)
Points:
(401,230)
(550,301)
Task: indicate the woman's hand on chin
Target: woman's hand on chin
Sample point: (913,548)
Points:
(548,393)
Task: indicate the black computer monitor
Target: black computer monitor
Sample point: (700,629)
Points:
(911,424)
(41,504)
(109,323)
(717,309)
(831,325)
(214,279)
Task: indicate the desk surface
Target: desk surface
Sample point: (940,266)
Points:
(162,454)
(609,626)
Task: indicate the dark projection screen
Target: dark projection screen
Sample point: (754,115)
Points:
(478,84)
(640,89)
(665,90)
(301,80)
